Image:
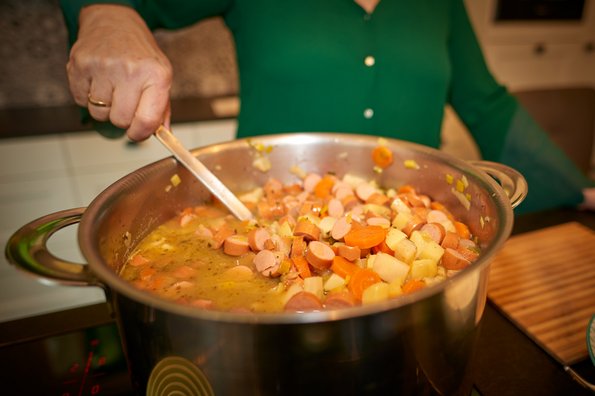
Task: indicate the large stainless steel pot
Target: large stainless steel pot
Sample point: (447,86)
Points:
(418,344)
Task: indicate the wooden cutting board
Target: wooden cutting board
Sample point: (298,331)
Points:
(544,281)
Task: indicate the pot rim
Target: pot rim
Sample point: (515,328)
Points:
(113,282)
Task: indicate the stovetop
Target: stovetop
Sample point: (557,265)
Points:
(78,352)
(74,352)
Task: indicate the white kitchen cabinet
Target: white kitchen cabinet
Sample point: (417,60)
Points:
(528,66)
(536,54)
(42,175)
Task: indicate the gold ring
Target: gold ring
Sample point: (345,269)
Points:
(96,102)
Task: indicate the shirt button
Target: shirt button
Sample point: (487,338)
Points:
(369,61)
(367,16)
(368,113)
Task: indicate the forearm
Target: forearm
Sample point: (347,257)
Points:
(71,10)
(554,180)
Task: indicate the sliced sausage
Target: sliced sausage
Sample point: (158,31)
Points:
(184,272)
(203,231)
(310,181)
(303,302)
(454,260)
(220,235)
(239,273)
(268,210)
(467,244)
(413,199)
(378,199)
(421,211)
(282,244)
(341,299)
(307,229)
(378,221)
(335,208)
(437,216)
(273,189)
(470,254)
(425,199)
(340,229)
(350,253)
(364,190)
(319,255)
(414,224)
(450,240)
(266,262)
(342,190)
(436,231)
(236,245)
(349,201)
(257,239)
(339,184)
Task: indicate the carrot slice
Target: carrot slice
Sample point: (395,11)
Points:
(298,247)
(302,266)
(406,188)
(324,187)
(382,156)
(365,237)
(412,285)
(383,247)
(462,230)
(361,280)
(343,267)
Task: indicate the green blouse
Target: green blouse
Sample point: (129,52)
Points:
(312,65)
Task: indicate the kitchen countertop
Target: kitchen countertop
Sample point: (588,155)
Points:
(21,122)
(507,362)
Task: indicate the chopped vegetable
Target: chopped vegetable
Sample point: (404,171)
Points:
(345,269)
(411,164)
(376,293)
(413,285)
(390,268)
(324,242)
(263,164)
(462,230)
(324,186)
(382,156)
(175,180)
(361,280)
(365,237)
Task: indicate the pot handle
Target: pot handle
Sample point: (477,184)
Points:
(512,181)
(27,250)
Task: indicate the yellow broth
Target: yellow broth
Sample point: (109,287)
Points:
(188,270)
